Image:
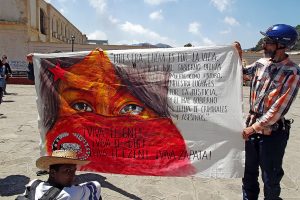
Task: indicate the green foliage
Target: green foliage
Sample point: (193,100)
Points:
(258,46)
(188,45)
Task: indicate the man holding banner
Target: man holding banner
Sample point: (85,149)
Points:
(275,82)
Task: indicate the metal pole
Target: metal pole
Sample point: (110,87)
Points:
(72,40)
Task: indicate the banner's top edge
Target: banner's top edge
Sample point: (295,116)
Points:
(83,53)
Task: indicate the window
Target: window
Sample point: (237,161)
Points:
(57,29)
(42,22)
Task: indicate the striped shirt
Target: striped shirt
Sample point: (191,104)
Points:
(274,86)
(84,191)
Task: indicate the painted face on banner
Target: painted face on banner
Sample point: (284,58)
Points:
(98,90)
(103,122)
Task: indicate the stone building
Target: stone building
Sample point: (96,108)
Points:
(35,26)
(27,22)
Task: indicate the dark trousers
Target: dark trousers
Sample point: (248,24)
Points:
(267,153)
(1,94)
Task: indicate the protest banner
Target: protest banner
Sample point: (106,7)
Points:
(160,112)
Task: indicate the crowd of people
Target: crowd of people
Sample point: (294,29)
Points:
(274,84)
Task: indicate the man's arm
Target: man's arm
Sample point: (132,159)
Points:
(250,69)
(8,68)
(87,190)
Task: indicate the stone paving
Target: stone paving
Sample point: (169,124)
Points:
(19,148)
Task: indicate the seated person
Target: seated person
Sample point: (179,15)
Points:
(62,167)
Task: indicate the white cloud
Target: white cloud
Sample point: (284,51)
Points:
(139,30)
(97,35)
(126,42)
(224,32)
(221,5)
(64,1)
(203,42)
(62,5)
(157,15)
(157,2)
(62,11)
(99,5)
(113,20)
(194,27)
(231,21)
(133,28)
(207,41)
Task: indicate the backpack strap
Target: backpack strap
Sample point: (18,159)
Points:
(32,188)
(51,194)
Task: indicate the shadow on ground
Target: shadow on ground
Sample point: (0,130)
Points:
(13,185)
(11,94)
(101,179)
(8,101)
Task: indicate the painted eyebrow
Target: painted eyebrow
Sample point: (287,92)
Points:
(72,89)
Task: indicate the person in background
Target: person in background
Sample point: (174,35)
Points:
(62,165)
(8,72)
(2,80)
(275,81)
(30,72)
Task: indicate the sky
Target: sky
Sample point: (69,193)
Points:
(178,22)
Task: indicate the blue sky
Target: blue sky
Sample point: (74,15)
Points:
(177,22)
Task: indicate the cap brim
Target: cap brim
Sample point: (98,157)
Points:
(263,33)
(45,161)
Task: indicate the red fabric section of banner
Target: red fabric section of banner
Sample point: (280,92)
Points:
(123,145)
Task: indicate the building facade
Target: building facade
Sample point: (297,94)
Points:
(35,26)
(23,22)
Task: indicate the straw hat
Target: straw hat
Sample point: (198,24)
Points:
(59,157)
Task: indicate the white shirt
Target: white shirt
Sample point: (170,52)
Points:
(87,190)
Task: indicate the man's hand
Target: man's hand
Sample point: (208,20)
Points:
(248,132)
(238,47)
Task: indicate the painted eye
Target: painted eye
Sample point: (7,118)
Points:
(132,109)
(82,107)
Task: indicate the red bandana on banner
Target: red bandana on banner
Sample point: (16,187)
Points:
(123,144)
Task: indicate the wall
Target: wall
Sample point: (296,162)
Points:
(20,26)
(14,46)
(16,13)
(32,14)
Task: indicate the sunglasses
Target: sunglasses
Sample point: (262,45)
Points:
(269,41)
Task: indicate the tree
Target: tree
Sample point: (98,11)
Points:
(188,45)
(258,46)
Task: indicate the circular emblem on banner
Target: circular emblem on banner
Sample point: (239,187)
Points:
(73,142)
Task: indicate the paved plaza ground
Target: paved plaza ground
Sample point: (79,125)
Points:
(19,148)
